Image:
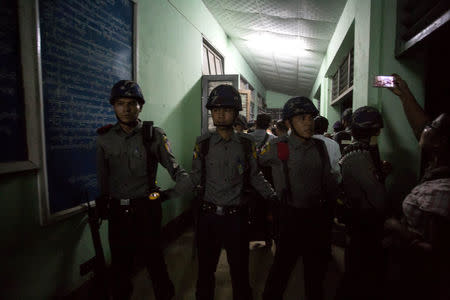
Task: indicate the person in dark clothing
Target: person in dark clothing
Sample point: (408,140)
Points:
(240,125)
(281,129)
(344,137)
(307,189)
(423,233)
(363,183)
(129,194)
(337,126)
(224,163)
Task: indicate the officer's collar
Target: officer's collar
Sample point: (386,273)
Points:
(297,143)
(135,129)
(217,138)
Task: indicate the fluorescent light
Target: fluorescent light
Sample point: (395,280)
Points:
(264,42)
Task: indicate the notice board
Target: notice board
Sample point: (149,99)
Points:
(86,46)
(12,111)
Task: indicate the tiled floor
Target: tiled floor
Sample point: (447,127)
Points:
(183,271)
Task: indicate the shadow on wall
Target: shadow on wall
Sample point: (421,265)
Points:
(182,125)
(39,262)
(404,175)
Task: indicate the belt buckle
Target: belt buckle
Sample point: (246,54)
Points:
(124,202)
(219,210)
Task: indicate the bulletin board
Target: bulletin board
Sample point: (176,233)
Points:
(85,47)
(12,114)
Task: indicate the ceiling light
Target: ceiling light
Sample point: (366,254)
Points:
(264,42)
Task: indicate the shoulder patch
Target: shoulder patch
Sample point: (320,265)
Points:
(265,148)
(166,143)
(104,129)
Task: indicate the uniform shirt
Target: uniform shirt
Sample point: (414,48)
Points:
(310,177)
(361,183)
(122,162)
(225,168)
(259,135)
(334,154)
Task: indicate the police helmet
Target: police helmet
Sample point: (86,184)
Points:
(366,121)
(224,96)
(337,126)
(241,120)
(126,89)
(347,115)
(298,106)
(320,124)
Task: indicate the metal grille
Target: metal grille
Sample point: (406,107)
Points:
(343,78)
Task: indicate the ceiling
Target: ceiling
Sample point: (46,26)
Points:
(283,41)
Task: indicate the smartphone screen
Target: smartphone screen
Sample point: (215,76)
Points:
(383,81)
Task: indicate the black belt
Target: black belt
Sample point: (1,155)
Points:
(228,210)
(132,201)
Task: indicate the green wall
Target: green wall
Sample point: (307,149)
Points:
(43,262)
(275,99)
(369,27)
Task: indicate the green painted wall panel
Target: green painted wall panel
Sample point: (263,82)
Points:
(275,99)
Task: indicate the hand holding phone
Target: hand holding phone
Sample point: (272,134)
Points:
(383,81)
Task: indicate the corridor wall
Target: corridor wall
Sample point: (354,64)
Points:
(369,27)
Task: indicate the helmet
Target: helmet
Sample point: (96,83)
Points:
(337,126)
(126,89)
(241,120)
(298,106)
(320,124)
(224,96)
(365,121)
(347,115)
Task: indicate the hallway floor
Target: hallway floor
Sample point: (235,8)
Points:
(183,271)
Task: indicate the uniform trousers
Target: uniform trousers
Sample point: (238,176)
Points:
(306,233)
(136,230)
(230,232)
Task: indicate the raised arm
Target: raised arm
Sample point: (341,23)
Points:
(416,116)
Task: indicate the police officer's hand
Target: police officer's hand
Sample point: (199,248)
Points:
(101,207)
(166,194)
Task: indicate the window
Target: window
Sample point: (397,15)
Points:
(247,87)
(342,80)
(418,20)
(212,60)
(275,113)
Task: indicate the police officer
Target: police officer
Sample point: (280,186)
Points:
(129,191)
(260,135)
(363,182)
(240,125)
(224,163)
(344,137)
(303,180)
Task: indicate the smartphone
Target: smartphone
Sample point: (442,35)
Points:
(383,81)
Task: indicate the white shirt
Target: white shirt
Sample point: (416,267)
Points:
(333,152)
